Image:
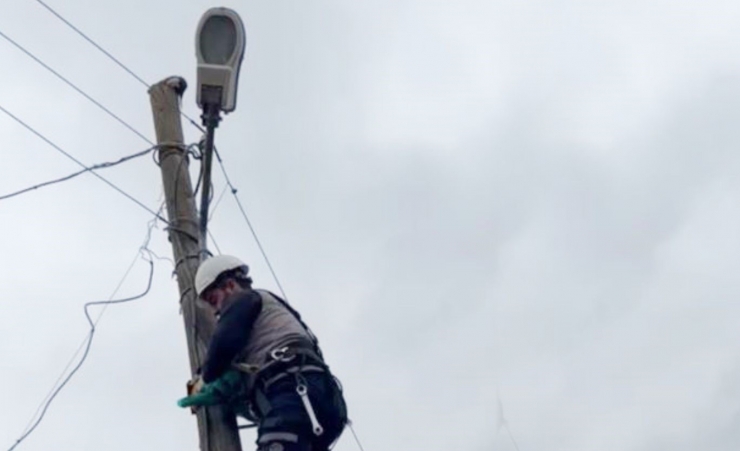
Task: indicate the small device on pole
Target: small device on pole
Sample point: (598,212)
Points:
(220,42)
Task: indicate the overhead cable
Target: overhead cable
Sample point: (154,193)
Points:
(249,223)
(75,174)
(95,44)
(110,56)
(66,154)
(146,254)
(75,87)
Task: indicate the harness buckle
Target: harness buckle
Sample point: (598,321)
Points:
(282,354)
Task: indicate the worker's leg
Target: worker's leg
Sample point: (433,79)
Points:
(282,441)
(286,425)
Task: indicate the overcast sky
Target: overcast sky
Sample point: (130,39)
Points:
(528,209)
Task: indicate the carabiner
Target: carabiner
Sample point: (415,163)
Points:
(279,354)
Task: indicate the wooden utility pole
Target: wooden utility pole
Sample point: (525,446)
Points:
(217,427)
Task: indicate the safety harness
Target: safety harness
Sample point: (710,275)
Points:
(292,360)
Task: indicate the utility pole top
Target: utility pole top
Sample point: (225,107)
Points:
(177,83)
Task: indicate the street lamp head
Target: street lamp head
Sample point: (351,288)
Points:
(219,46)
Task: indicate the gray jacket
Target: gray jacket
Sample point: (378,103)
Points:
(274,328)
(253,324)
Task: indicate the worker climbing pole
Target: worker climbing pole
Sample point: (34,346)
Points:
(265,363)
(258,360)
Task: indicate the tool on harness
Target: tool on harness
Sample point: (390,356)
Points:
(302,390)
(294,360)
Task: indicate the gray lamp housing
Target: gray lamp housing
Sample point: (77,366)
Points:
(220,42)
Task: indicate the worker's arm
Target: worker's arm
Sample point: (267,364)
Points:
(231,335)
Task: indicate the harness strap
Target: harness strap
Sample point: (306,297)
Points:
(292,359)
(292,370)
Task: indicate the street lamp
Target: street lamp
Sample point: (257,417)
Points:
(219,47)
(220,41)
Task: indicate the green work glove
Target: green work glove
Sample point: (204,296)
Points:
(205,397)
(217,392)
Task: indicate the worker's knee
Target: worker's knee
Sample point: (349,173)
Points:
(282,441)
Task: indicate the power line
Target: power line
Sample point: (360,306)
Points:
(95,44)
(66,154)
(144,252)
(76,88)
(81,91)
(249,223)
(75,174)
(84,94)
(91,99)
(109,55)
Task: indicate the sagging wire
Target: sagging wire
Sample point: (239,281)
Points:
(193,150)
(90,98)
(83,165)
(143,252)
(87,348)
(75,174)
(81,91)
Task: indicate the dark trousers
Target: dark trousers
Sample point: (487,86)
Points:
(285,424)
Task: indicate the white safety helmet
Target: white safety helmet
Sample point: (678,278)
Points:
(210,270)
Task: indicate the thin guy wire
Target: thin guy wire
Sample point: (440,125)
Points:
(76,88)
(62,151)
(249,223)
(75,174)
(144,245)
(351,428)
(511,436)
(218,202)
(87,347)
(213,239)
